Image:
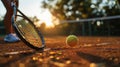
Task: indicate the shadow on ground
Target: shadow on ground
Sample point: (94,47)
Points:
(98,60)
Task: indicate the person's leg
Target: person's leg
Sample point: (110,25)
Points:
(7,23)
(10,37)
(8,16)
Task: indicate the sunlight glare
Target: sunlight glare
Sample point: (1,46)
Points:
(46,17)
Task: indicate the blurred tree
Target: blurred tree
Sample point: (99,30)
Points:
(42,27)
(77,9)
(80,9)
(2,28)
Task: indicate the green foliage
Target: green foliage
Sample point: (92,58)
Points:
(80,9)
(2,29)
(1,22)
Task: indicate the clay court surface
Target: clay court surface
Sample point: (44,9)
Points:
(91,52)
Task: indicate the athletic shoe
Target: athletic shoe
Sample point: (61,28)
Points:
(11,38)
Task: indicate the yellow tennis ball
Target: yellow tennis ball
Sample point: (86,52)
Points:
(72,40)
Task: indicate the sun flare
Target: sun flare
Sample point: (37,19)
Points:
(46,17)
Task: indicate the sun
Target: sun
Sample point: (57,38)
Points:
(46,17)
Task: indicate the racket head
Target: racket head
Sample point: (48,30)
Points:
(26,30)
(29,34)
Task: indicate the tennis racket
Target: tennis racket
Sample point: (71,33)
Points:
(26,30)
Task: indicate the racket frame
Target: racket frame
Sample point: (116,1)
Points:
(15,10)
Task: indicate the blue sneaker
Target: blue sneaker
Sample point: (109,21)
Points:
(11,38)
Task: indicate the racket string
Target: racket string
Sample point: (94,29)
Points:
(28,31)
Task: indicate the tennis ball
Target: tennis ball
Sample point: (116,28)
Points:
(72,40)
